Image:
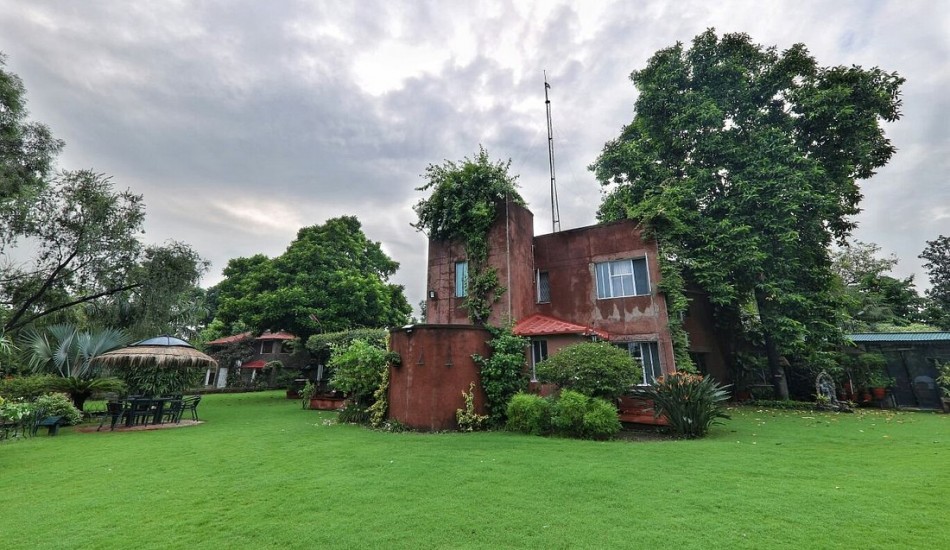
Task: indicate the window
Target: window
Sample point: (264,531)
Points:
(648,355)
(461,279)
(539,352)
(544,288)
(622,278)
(267,346)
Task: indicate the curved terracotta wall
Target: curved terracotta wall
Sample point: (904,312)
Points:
(436,366)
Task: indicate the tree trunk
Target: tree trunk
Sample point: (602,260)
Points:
(776,370)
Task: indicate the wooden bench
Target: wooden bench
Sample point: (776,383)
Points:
(51,423)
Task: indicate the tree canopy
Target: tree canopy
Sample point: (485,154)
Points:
(71,239)
(873,300)
(744,162)
(937,254)
(330,278)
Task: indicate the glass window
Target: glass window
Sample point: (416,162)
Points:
(622,278)
(461,279)
(544,288)
(267,346)
(539,352)
(648,355)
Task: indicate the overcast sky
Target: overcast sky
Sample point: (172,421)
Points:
(241,122)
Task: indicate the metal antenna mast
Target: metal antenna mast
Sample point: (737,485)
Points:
(555,209)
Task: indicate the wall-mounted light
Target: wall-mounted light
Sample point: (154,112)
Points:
(432,295)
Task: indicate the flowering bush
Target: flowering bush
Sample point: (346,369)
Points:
(690,402)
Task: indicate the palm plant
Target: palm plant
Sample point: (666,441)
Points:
(68,352)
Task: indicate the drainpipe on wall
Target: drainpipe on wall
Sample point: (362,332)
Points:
(508,255)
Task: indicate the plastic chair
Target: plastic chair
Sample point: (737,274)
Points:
(115,410)
(173,410)
(190,403)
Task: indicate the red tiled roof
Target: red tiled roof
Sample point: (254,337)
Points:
(245,335)
(542,325)
(255,364)
(229,339)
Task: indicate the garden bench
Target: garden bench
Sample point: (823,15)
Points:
(51,423)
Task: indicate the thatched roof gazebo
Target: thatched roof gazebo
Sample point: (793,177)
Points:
(161,351)
(158,366)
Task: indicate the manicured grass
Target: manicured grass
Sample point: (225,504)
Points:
(262,473)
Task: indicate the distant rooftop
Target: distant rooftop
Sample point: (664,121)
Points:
(900,337)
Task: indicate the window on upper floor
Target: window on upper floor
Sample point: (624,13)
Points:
(461,279)
(622,278)
(648,355)
(267,346)
(544,288)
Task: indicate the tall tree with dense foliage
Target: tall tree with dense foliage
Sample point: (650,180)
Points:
(937,254)
(873,300)
(744,161)
(167,299)
(27,153)
(330,278)
(462,206)
(85,237)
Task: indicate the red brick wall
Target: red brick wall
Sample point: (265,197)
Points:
(436,367)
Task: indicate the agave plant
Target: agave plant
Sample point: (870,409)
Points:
(690,402)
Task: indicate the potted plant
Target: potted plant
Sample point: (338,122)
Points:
(878,381)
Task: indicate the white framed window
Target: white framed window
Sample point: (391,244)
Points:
(461,279)
(539,352)
(544,288)
(648,355)
(622,278)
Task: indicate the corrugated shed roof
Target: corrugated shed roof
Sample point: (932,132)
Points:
(900,337)
(542,325)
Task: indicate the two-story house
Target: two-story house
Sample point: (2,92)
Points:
(598,282)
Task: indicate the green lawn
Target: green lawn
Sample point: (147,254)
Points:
(262,473)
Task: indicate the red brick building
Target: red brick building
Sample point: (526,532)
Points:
(597,282)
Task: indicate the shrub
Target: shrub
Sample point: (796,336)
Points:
(503,372)
(600,420)
(529,414)
(159,380)
(26,387)
(358,370)
(59,404)
(690,402)
(576,415)
(468,420)
(354,413)
(593,369)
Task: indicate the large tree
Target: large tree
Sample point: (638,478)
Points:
(744,162)
(167,299)
(27,153)
(330,278)
(873,300)
(937,254)
(84,240)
